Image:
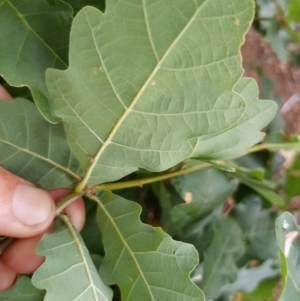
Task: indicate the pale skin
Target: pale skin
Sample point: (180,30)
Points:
(26,213)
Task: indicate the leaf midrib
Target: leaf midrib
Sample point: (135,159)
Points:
(29,28)
(79,245)
(137,97)
(97,200)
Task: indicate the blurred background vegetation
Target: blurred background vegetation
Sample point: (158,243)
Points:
(243,206)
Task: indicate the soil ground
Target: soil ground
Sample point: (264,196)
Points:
(258,57)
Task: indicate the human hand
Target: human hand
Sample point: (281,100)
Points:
(26,213)
(4,95)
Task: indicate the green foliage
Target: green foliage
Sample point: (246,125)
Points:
(200,199)
(134,107)
(219,266)
(263,187)
(292,179)
(76,270)
(287,233)
(151,93)
(248,279)
(294,11)
(91,233)
(257,224)
(143,254)
(78,4)
(23,290)
(231,143)
(29,147)
(279,21)
(29,32)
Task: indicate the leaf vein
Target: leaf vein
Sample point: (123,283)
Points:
(136,98)
(42,158)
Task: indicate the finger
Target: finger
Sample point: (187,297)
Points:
(4,95)
(24,209)
(30,261)
(21,257)
(7,276)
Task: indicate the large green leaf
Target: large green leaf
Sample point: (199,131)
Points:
(23,290)
(219,266)
(143,261)
(232,143)
(68,273)
(288,233)
(258,228)
(34,149)
(147,79)
(32,39)
(201,197)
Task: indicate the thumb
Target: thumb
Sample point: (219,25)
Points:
(24,209)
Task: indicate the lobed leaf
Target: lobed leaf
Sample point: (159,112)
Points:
(143,261)
(219,266)
(34,149)
(73,278)
(233,142)
(23,290)
(32,39)
(198,191)
(147,79)
(287,233)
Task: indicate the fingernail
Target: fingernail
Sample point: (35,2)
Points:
(31,205)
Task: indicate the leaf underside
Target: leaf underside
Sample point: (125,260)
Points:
(146,80)
(75,277)
(246,132)
(34,149)
(32,39)
(143,261)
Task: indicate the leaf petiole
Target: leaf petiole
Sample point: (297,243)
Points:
(67,200)
(141,182)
